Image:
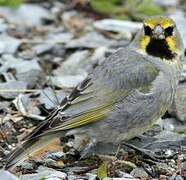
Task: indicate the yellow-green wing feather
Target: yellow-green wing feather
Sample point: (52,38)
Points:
(91,116)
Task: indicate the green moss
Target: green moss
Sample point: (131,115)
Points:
(43,178)
(105,6)
(102,170)
(126,9)
(147,8)
(10,3)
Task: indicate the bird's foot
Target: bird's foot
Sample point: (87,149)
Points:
(146,154)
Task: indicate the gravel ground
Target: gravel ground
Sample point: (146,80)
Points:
(46,49)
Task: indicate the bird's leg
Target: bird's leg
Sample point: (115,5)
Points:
(87,149)
(145,153)
(83,144)
(118,149)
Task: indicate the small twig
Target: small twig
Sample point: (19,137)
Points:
(53,89)
(21,90)
(143,153)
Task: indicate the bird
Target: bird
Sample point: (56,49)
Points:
(121,98)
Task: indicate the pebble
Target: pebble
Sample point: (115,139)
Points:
(139,173)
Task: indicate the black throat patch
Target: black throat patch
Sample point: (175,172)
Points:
(159,48)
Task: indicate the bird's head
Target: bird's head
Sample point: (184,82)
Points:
(159,37)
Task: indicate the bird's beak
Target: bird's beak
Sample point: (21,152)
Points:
(158,33)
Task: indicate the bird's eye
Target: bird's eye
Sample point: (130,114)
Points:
(169,31)
(147,30)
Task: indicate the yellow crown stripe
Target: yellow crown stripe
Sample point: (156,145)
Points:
(164,22)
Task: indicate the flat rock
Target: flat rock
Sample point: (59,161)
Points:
(6,175)
(167,3)
(178,108)
(26,14)
(164,140)
(45,173)
(48,98)
(59,38)
(172,124)
(90,40)
(73,70)
(179,18)
(33,77)
(28,71)
(27,107)
(68,81)
(42,48)
(8,44)
(3,25)
(118,26)
(10,90)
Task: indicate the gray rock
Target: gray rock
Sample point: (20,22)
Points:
(91,176)
(26,71)
(167,3)
(123,178)
(6,175)
(55,155)
(178,108)
(45,173)
(10,90)
(118,26)
(9,44)
(183,168)
(179,18)
(139,173)
(162,141)
(75,64)
(33,77)
(26,14)
(172,124)
(183,73)
(90,40)
(48,98)
(59,51)
(59,38)
(176,177)
(27,107)
(76,177)
(3,25)
(73,70)
(126,176)
(68,81)
(20,65)
(99,55)
(26,166)
(167,140)
(42,48)
(4,109)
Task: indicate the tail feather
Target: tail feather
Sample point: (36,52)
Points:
(32,148)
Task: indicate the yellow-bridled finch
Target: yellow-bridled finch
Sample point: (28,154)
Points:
(121,98)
